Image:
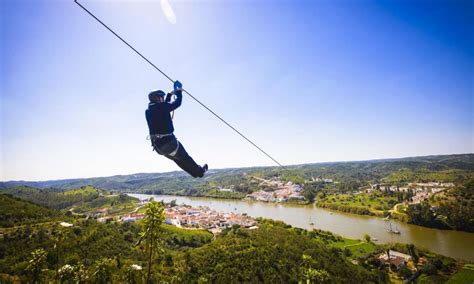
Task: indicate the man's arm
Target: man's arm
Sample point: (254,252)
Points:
(168,97)
(178,91)
(176,103)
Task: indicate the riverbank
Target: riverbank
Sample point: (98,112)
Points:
(353,208)
(417,263)
(408,261)
(374,204)
(450,243)
(364,204)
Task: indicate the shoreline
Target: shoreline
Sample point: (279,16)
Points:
(351,226)
(328,208)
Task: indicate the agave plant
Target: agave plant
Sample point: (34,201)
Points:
(151,231)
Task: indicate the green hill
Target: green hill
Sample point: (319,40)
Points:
(82,200)
(114,202)
(52,198)
(15,211)
(454,210)
(271,254)
(350,175)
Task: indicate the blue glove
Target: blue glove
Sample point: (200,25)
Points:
(177,85)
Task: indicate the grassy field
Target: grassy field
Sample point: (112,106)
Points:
(350,247)
(465,275)
(220,194)
(179,237)
(357,247)
(364,203)
(115,203)
(399,212)
(84,191)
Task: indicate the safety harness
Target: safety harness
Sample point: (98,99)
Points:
(153,137)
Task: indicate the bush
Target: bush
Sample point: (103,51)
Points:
(347,252)
(404,272)
(438,263)
(367,238)
(77,230)
(429,269)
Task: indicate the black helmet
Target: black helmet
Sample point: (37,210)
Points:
(155,93)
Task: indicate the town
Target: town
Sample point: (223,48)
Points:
(420,190)
(205,218)
(276,191)
(185,216)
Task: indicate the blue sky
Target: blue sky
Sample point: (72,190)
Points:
(309,81)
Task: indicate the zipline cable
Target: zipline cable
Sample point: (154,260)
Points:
(169,78)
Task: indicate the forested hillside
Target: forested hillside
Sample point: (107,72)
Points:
(15,211)
(349,176)
(54,198)
(270,254)
(41,247)
(82,199)
(330,185)
(454,210)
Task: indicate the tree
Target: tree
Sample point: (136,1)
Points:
(429,269)
(36,264)
(412,252)
(66,273)
(151,231)
(389,260)
(316,275)
(310,195)
(123,197)
(367,238)
(404,272)
(103,270)
(311,274)
(133,274)
(347,252)
(81,275)
(58,238)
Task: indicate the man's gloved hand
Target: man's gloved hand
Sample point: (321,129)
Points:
(177,86)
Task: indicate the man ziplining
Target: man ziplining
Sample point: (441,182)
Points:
(161,130)
(159,118)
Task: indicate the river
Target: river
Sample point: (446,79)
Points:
(450,243)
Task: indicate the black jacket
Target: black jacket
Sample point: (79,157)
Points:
(158,115)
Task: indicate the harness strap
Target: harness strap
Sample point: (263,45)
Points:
(152,136)
(172,154)
(155,148)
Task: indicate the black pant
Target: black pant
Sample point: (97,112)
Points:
(167,146)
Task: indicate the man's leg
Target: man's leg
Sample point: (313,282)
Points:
(185,162)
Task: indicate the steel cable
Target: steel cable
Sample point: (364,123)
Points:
(169,78)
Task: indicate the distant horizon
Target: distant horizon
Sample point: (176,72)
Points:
(227,168)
